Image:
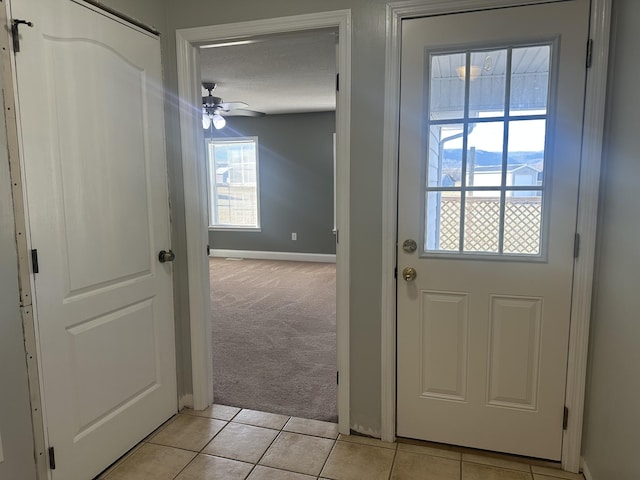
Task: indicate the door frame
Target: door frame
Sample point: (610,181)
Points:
(193,162)
(592,142)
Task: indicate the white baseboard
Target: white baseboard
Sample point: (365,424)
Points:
(368,432)
(185,400)
(291,256)
(585,470)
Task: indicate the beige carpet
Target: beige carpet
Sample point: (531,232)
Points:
(274,336)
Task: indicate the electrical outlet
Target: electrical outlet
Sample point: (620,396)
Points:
(294,236)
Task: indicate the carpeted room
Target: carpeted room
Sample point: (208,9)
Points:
(271,191)
(274,335)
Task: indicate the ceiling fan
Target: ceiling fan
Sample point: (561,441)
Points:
(214,109)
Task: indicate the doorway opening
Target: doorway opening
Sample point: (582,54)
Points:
(268,122)
(196,188)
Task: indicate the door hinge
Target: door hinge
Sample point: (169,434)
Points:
(337,378)
(337,82)
(15,34)
(589,52)
(52,458)
(565,418)
(208,250)
(395,272)
(34,261)
(576,246)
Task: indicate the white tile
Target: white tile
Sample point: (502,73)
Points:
(312,427)
(554,473)
(496,462)
(261,419)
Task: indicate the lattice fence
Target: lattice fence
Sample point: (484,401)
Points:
(482,224)
(236,205)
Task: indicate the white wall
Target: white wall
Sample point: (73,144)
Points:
(612,421)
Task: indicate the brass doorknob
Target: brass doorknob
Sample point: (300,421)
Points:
(409,274)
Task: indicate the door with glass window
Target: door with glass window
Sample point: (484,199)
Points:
(489,160)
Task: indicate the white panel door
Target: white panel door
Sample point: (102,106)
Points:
(489,160)
(91,114)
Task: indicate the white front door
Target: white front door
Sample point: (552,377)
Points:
(489,160)
(91,115)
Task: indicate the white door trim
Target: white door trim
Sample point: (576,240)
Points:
(195,190)
(587,205)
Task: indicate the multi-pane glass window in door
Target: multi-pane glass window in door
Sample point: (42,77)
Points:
(485,161)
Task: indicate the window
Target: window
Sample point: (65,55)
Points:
(485,154)
(233,183)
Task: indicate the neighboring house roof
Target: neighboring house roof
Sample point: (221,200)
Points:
(510,169)
(448,181)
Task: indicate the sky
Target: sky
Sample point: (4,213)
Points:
(524,136)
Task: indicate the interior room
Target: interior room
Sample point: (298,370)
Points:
(271,221)
(457,359)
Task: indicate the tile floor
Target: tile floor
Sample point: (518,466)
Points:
(228,443)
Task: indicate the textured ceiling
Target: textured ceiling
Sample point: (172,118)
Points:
(286,73)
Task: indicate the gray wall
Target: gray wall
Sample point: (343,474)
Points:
(296,183)
(15,411)
(609,424)
(612,420)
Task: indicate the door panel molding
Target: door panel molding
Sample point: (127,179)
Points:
(592,142)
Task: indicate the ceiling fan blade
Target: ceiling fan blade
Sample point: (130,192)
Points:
(226,106)
(211,101)
(241,112)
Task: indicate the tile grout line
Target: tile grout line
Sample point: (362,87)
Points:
(211,440)
(393,462)
(257,463)
(253,465)
(200,451)
(293,471)
(324,464)
(266,449)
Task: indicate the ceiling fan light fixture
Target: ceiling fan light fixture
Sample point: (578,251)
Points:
(462,72)
(206,120)
(218,121)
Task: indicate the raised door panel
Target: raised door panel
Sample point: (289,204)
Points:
(443,331)
(514,351)
(104,183)
(104,383)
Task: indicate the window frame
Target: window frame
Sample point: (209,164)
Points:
(211,186)
(549,117)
